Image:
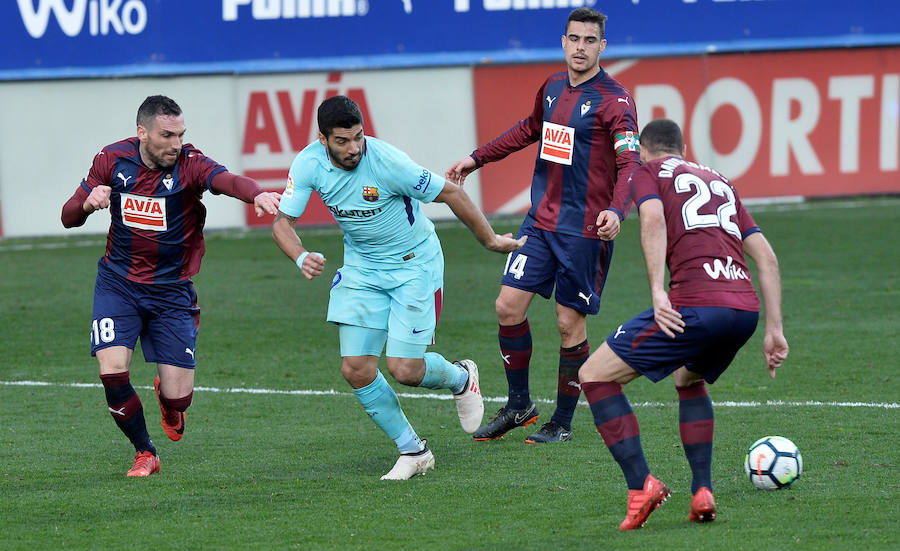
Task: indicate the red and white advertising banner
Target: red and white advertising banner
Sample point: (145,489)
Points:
(427,113)
(811,124)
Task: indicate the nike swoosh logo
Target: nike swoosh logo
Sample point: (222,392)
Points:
(522,418)
(417,331)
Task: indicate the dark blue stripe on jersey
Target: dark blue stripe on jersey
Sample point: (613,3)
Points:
(171,241)
(409,210)
(86,187)
(574,199)
(120,253)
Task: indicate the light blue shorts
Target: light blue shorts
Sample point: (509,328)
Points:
(404,302)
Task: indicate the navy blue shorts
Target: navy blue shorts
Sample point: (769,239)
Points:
(711,338)
(164,316)
(576,266)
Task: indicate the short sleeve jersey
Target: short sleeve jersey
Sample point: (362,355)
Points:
(156,231)
(705,226)
(588,148)
(377,204)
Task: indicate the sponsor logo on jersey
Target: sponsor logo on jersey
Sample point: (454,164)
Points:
(168,181)
(725,269)
(355,213)
(124,179)
(370,193)
(145,213)
(557,143)
(629,141)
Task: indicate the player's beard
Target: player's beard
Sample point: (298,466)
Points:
(159,161)
(347,162)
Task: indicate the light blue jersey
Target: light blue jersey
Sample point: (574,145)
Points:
(377,204)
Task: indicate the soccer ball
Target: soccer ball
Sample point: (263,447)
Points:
(773,462)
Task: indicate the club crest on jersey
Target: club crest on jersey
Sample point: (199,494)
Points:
(370,193)
(585,107)
(168,181)
(557,143)
(288,189)
(145,213)
(629,141)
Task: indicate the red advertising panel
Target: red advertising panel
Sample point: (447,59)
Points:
(279,124)
(817,123)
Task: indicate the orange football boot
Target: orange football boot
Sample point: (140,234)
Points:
(703,506)
(145,464)
(643,502)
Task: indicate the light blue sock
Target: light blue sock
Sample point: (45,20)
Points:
(381,403)
(439,373)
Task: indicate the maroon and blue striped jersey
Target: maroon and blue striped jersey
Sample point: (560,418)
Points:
(706,224)
(156,231)
(588,148)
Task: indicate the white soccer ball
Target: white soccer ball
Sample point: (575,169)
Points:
(773,463)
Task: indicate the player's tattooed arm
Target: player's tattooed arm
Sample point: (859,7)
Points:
(282,216)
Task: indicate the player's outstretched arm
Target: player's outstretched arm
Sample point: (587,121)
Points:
(247,190)
(470,215)
(310,264)
(653,243)
(460,169)
(775,346)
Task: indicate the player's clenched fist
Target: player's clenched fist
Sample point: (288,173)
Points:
(98,199)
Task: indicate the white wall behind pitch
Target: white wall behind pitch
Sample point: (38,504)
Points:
(51,131)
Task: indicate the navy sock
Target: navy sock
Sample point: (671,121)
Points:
(515,349)
(696,424)
(568,389)
(618,426)
(125,407)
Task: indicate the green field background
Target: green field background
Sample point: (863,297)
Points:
(299,468)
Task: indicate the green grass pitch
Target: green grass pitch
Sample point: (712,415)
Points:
(300,468)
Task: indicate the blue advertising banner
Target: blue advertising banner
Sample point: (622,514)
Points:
(90,38)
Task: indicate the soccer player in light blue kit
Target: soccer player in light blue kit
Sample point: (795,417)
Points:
(388,292)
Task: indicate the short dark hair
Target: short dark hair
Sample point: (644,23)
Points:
(338,112)
(662,136)
(154,106)
(587,15)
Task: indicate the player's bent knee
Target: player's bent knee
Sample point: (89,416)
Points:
(406,371)
(508,313)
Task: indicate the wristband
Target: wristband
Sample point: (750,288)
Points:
(301,258)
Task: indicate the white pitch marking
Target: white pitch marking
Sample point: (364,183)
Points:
(448,396)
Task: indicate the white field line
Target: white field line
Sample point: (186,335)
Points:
(448,396)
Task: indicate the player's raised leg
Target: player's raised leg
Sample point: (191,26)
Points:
(174,381)
(461,378)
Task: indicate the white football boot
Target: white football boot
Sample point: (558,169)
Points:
(411,464)
(470,403)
